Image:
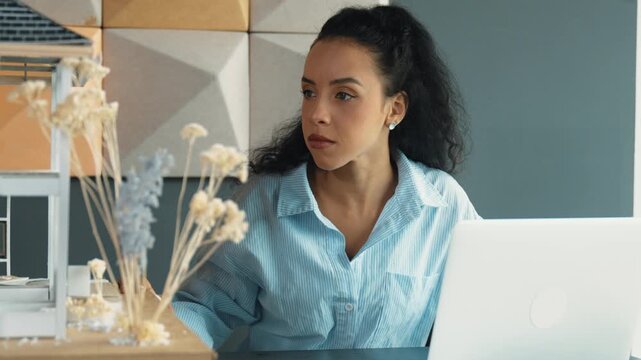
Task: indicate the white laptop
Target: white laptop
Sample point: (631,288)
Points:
(540,289)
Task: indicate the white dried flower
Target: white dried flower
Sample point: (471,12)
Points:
(153,333)
(193,131)
(214,210)
(75,313)
(231,207)
(242,173)
(85,69)
(97,267)
(89,69)
(81,107)
(122,321)
(206,158)
(98,313)
(224,161)
(234,226)
(108,113)
(39,110)
(27,91)
(198,204)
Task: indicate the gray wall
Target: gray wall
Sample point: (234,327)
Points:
(549,88)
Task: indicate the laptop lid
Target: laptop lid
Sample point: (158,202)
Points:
(540,289)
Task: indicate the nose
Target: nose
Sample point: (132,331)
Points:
(317,111)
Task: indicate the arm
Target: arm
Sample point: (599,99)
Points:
(217,299)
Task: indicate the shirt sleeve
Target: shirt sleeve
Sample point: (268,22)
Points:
(471,213)
(218,298)
(465,206)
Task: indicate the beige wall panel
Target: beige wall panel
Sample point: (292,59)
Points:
(23,145)
(230,15)
(164,79)
(276,67)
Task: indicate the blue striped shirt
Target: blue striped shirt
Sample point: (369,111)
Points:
(292,283)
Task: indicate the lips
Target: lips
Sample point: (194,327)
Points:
(316,141)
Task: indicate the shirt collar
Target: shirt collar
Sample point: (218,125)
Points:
(413,183)
(295,195)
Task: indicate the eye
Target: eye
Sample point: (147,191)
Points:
(307,93)
(343,96)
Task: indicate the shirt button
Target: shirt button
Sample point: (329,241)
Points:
(349,307)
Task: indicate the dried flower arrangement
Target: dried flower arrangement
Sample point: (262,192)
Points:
(124,204)
(93,312)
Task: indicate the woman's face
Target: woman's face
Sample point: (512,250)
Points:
(344,109)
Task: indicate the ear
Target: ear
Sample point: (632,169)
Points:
(399,103)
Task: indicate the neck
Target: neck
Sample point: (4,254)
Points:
(360,184)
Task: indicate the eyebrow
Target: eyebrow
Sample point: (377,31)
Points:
(345,80)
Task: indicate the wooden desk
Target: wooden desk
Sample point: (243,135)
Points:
(92,345)
(419,353)
(347,354)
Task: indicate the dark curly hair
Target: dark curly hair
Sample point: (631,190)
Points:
(433,129)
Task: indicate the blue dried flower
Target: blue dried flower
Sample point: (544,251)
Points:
(133,208)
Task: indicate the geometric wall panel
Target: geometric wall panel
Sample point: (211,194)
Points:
(276,67)
(230,15)
(22,143)
(93,34)
(69,12)
(298,16)
(165,79)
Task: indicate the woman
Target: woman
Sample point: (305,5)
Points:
(351,208)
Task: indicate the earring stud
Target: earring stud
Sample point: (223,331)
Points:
(391,126)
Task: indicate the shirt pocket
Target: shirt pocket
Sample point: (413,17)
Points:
(406,307)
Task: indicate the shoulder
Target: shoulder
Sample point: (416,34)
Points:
(258,199)
(444,183)
(449,189)
(258,193)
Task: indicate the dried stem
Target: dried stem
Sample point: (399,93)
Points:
(96,234)
(183,186)
(204,258)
